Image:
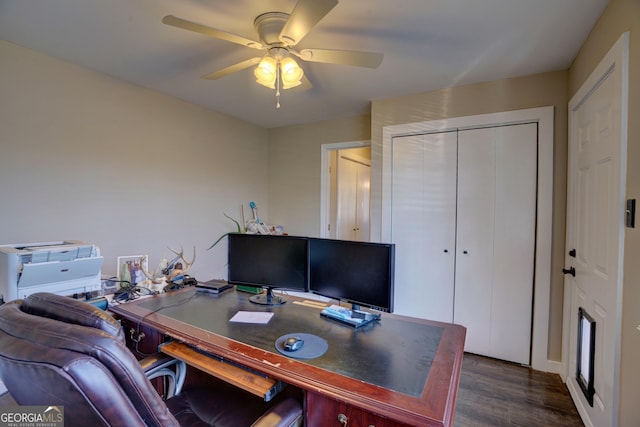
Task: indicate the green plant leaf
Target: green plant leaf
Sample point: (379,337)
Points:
(237,223)
(226,234)
(218,241)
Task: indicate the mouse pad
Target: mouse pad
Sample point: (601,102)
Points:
(313,346)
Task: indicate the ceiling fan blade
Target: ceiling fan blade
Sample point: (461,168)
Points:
(211,32)
(232,69)
(344,57)
(305,15)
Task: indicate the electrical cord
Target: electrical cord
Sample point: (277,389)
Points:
(142,319)
(129,292)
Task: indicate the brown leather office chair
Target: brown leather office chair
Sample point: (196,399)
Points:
(57,351)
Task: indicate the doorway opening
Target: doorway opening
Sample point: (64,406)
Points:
(345,190)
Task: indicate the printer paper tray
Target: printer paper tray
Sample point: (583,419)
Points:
(58,271)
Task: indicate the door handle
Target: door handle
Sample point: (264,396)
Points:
(570,270)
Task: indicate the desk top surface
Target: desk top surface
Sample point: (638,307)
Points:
(398,357)
(392,353)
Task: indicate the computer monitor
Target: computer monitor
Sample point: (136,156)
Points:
(361,273)
(269,262)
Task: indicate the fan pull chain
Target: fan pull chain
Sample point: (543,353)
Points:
(278,84)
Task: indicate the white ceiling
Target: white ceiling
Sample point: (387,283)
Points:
(427,45)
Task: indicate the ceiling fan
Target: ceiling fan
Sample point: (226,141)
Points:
(279,33)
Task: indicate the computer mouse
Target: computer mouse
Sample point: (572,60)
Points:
(293,344)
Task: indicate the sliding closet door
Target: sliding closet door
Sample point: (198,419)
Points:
(496,239)
(423,224)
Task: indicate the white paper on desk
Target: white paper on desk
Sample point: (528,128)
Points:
(262,317)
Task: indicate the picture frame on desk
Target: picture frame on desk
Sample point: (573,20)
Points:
(130,268)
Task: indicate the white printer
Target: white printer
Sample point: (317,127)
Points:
(64,268)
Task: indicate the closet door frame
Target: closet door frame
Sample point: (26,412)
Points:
(543,116)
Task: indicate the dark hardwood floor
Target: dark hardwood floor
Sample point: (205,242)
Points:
(494,393)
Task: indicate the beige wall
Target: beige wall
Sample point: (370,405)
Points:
(294,169)
(619,17)
(502,95)
(87,157)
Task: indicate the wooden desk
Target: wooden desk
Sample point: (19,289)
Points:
(397,372)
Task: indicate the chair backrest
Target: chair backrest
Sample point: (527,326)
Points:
(58,351)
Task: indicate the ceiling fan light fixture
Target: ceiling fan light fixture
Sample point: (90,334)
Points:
(290,73)
(278,34)
(266,72)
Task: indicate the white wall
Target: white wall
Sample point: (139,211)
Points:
(87,157)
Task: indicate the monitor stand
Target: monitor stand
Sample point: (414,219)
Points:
(268,299)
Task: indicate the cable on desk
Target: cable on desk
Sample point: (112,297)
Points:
(142,319)
(129,292)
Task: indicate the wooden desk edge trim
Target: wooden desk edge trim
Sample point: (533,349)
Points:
(456,347)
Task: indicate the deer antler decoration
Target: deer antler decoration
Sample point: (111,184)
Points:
(179,265)
(157,276)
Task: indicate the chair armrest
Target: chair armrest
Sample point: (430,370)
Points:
(160,365)
(287,413)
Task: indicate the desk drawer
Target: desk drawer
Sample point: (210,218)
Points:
(325,412)
(142,340)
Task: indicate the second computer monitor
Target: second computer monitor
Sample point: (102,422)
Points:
(361,273)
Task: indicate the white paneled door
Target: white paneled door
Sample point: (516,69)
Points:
(595,206)
(354,182)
